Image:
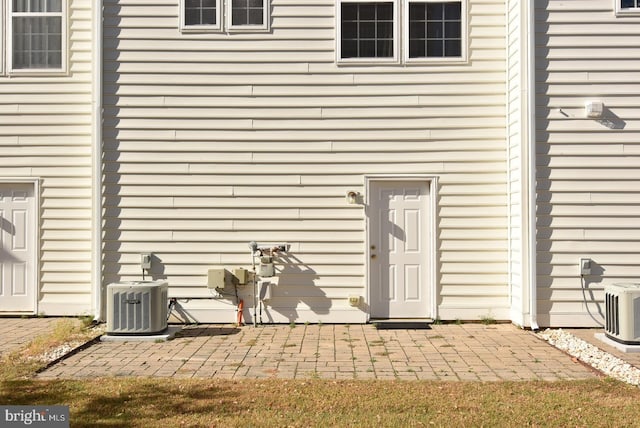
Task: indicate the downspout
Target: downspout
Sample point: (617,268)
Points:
(96,229)
(531,184)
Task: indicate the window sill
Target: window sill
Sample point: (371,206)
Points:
(200,29)
(628,12)
(41,72)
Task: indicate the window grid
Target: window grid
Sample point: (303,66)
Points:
(37,35)
(367,30)
(435,29)
(200,13)
(247,13)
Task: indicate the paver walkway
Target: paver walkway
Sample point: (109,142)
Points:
(17,332)
(471,352)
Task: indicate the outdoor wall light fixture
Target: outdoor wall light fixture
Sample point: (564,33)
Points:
(594,109)
(352,197)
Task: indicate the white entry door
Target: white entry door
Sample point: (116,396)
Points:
(399,240)
(17,242)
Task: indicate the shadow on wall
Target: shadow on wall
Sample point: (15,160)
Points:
(296,285)
(112,255)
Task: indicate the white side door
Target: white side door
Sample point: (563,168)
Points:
(399,253)
(17,247)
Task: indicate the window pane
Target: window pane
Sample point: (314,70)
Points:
(349,49)
(385,11)
(349,12)
(435,29)
(367,49)
(37,42)
(247,12)
(434,48)
(452,30)
(238,16)
(384,48)
(21,5)
(452,11)
(191,17)
(417,30)
(417,49)
(54,5)
(434,11)
(385,30)
(255,16)
(367,30)
(452,48)
(628,3)
(200,12)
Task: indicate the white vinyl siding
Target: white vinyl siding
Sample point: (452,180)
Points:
(45,132)
(588,181)
(212,142)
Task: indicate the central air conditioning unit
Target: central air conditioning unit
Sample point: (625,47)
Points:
(622,312)
(137,307)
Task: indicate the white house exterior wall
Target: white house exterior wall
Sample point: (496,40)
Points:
(212,140)
(588,180)
(45,133)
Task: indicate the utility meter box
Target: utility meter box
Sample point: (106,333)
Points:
(241,275)
(218,278)
(266,268)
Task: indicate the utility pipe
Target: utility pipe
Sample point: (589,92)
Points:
(531,184)
(96,143)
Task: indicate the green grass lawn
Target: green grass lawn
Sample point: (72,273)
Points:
(161,402)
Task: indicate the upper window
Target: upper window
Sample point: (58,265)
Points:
(435,29)
(37,35)
(628,7)
(432,30)
(248,15)
(200,14)
(367,30)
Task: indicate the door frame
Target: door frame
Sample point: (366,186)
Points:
(432,183)
(35,239)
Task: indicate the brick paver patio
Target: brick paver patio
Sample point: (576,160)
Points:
(471,352)
(17,332)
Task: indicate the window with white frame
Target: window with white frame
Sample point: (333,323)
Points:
(248,15)
(432,30)
(367,30)
(201,14)
(435,29)
(37,35)
(626,7)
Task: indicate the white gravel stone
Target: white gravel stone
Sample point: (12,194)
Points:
(595,357)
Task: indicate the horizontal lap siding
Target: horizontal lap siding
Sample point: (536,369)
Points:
(588,198)
(45,132)
(214,140)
